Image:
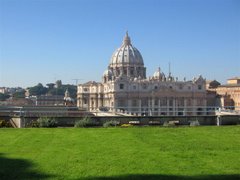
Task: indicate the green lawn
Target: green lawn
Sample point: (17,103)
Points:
(120,153)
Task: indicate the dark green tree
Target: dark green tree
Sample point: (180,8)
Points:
(38,90)
(72,90)
(3,97)
(56,91)
(19,95)
(61,90)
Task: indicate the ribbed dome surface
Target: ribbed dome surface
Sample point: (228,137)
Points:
(107,73)
(126,55)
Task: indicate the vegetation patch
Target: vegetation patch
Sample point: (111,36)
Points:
(111,123)
(46,122)
(86,122)
(4,124)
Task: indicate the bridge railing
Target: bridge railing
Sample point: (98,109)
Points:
(168,111)
(42,111)
(59,111)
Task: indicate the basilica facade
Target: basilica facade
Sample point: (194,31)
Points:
(126,89)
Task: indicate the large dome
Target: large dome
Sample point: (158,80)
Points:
(127,61)
(126,55)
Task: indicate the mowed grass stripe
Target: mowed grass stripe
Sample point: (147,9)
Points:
(69,153)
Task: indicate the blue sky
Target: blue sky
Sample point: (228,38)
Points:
(46,40)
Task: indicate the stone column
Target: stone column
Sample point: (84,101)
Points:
(129,106)
(185,107)
(174,106)
(159,107)
(99,101)
(128,71)
(194,109)
(149,106)
(139,107)
(153,106)
(115,105)
(78,102)
(90,103)
(167,106)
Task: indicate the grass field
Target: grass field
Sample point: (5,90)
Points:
(120,153)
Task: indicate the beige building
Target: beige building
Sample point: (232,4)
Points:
(230,93)
(125,88)
(226,96)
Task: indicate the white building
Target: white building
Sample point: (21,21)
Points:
(125,87)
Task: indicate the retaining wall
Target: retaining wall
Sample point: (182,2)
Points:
(143,120)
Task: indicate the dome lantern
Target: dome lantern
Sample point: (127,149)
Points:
(127,40)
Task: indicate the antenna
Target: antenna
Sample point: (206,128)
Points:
(169,69)
(76,80)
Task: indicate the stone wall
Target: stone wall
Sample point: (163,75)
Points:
(143,120)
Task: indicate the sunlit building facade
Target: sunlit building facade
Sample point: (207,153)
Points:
(125,88)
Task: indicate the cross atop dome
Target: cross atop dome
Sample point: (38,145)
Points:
(127,40)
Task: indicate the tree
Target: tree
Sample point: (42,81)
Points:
(38,90)
(19,95)
(72,90)
(50,85)
(56,91)
(61,90)
(3,97)
(58,83)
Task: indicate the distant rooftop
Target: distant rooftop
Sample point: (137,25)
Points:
(234,78)
(230,85)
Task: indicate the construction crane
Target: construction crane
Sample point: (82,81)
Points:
(76,80)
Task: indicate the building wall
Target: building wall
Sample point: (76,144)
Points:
(145,97)
(228,95)
(233,81)
(125,88)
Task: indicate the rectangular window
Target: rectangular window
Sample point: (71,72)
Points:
(181,86)
(134,102)
(121,86)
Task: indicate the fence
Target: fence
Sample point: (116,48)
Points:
(61,111)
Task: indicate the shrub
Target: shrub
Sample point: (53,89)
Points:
(2,123)
(47,122)
(194,123)
(86,122)
(168,124)
(112,123)
(165,124)
(126,125)
(33,124)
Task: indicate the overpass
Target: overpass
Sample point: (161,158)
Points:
(19,116)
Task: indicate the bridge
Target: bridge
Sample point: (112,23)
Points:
(19,116)
(42,111)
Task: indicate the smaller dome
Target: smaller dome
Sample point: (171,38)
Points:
(107,73)
(158,74)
